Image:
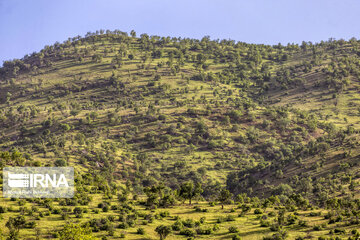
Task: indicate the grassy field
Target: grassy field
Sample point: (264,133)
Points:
(309,224)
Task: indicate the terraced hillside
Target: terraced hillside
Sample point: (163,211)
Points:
(162,120)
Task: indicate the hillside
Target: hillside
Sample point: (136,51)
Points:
(143,116)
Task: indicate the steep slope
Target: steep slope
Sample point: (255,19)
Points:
(182,107)
(131,112)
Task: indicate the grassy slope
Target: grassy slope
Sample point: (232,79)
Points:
(69,84)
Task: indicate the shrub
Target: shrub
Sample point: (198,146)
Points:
(65,127)
(233,229)
(189,223)
(123,225)
(187,232)
(291,219)
(317,228)
(236,237)
(204,231)
(198,209)
(302,223)
(105,208)
(3,209)
(216,227)
(78,212)
(177,226)
(164,214)
(264,223)
(275,227)
(60,163)
(230,218)
(339,231)
(271,214)
(140,231)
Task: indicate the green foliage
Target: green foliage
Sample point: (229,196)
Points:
(163,231)
(75,232)
(189,191)
(233,229)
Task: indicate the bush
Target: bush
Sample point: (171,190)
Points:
(275,227)
(187,232)
(317,228)
(271,214)
(140,231)
(236,237)
(302,223)
(204,231)
(339,231)
(230,218)
(233,229)
(105,208)
(60,163)
(65,127)
(3,209)
(164,214)
(258,211)
(189,223)
(177,226)
(57,211)
(291,219)
(78,212)
(216,227)
(264,223)
(123,225)
(198,209)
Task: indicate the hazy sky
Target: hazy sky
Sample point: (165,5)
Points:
(28,25)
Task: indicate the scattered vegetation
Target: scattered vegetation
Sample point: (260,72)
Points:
(177,138)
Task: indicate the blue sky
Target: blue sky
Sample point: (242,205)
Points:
(28,25)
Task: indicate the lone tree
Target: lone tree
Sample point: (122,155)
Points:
(163,231)
(224,197)
(14,224)
(189,191)
(93,115)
